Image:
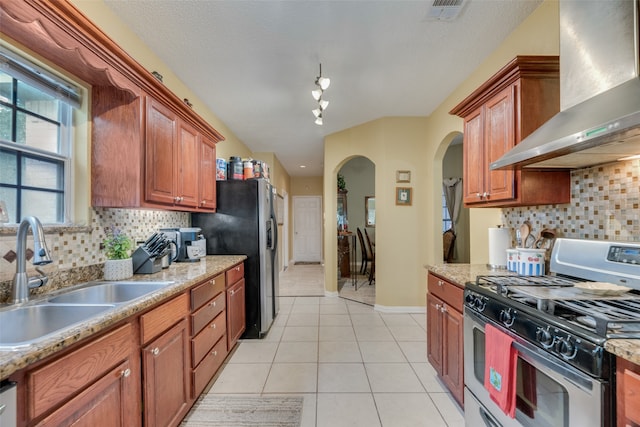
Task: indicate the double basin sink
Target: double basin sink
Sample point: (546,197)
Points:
(25,325)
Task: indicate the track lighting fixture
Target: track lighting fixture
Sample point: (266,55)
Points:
(322,84)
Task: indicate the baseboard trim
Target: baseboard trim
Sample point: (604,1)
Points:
(331,294)
(399,309)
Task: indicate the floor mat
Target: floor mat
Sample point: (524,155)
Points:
(245,411)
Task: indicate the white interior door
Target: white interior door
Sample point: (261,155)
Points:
(307,228)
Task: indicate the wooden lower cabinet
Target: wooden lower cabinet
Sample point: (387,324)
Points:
(236,317)
(166,379)
(445,334)
(97,384)
(147,371)
(628,393)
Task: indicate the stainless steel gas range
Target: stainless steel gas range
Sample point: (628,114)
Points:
(559,324)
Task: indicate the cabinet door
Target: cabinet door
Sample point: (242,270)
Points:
(473,158)
(110,402)
(628,393)
(160,140)
(187,167)
(452,355)
(499,138)
(207,173)
(434,332)
(236,321)
(166,377)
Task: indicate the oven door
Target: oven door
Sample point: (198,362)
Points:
(549,392)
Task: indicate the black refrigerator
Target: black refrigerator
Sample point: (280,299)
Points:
(245,223)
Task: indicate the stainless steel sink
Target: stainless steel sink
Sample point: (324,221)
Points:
(23,326)
(108,293)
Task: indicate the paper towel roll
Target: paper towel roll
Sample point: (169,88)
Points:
(499,242)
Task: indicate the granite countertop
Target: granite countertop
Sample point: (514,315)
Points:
(459,274)
(627,349)
(463,273)
(184,275)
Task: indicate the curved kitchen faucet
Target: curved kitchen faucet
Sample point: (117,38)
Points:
(21,282)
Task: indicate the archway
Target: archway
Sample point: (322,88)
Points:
(449,157)
(356,213)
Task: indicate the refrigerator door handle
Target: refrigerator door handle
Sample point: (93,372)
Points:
(272,239)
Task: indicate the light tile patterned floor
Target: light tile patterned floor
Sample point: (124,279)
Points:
(353,365)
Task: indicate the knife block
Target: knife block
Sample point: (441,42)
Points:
(144,263)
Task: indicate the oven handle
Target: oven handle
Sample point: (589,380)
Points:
(533,353)
(488,419)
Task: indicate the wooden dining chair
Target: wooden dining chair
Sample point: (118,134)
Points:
(365,253)
(372,270)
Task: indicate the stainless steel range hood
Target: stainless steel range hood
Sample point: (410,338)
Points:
(599,121)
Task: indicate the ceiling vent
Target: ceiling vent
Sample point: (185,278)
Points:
(444,10)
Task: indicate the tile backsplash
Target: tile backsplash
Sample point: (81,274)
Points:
(605,204)
(79,247)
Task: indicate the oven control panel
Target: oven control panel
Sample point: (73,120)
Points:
(624,254)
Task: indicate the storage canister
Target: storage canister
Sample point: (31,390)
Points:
(234,168)
(257,169)
(512,260)
(221,169)
(248,169)
(531,262)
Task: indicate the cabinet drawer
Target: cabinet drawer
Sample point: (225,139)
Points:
(162,318)
(208,367)
(57,381)
(631,396)
(202,343)
(207,290)
(447,292)
(235,273)
(207,313)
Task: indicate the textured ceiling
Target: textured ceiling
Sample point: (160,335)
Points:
(254,63)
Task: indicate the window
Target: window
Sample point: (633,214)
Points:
(36,111)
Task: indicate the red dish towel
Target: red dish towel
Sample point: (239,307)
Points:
(500,361)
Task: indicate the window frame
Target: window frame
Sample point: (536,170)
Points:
(65,156)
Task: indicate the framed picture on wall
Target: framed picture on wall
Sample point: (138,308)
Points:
(403,196)
(280,209)
(403,176)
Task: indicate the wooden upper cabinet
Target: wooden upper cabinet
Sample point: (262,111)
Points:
(136,120)
(207,173)
(498,115)
(160,149)
(188,166)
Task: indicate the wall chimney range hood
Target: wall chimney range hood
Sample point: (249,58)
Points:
(599,121)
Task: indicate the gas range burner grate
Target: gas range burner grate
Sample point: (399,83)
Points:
(503,281)
(613,318)
(608,316)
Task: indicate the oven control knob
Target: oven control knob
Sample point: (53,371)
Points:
(544,337)
(470,299)
(565,348)
(508,317)
(480,304)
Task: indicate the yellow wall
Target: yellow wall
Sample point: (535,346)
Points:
(411,235)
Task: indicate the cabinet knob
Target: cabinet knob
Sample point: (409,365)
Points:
(485,195)
(440,283)
(204,202)
(479,196)
(214,353)
(213,326)
(237,268)
(155,351)
(213,281)
(443,309)
(125,373)
(212,304)
(232,291)
(438,307)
